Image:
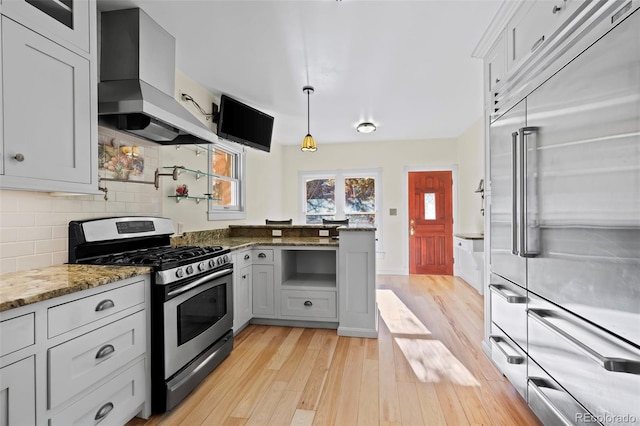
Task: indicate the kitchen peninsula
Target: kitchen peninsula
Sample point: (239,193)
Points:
(307,275)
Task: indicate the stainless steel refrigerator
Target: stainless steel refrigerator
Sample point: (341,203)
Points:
(565,237)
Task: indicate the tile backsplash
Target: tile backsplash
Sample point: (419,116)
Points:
(34,225)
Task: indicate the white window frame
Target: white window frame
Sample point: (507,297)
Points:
(339,176)
(238,211)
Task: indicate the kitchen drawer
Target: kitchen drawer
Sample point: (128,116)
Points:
(552,404)
(468,245)
(509,309)
(509,359)
(243,258)
(262,256)
(17,333)
(599,370)
(66,317)
(310,304)
(117,401)
(78,363)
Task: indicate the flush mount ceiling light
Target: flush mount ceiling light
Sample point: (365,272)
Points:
(308,144)
(366,127)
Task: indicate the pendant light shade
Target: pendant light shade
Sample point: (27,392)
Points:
(308,144)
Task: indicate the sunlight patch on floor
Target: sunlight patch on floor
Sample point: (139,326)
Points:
(432,362)
(397,316)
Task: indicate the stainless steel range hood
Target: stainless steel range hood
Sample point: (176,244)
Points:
(137,81)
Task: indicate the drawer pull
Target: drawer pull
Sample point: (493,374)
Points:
(620,365)
(244,277)
(308,303)
(104,305)
(537,43)
(534,387)
(262,255)
(556,9)
(247,257)
(515,299)
(104,411)
(511,359)
(105,351)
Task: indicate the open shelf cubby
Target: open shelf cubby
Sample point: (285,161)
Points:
(309,268)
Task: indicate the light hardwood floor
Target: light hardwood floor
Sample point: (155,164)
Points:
(426,368)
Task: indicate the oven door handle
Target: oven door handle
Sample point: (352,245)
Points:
(200,281)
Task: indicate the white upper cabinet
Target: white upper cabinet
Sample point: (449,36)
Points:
(68,20)
(495,68)
(48,81)
(533,24)
(47,107)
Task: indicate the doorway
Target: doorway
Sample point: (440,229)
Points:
(430,213)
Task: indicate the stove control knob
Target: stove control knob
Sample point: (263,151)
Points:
(179,273)
(225,258)
(189,270)
(201,266)
(212,263)
(219,261)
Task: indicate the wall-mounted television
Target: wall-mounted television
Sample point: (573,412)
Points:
(243,124)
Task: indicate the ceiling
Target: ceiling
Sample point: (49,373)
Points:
(404,65)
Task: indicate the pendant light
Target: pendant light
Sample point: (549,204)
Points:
(308,144)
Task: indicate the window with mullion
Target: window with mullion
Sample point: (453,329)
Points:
(226,181)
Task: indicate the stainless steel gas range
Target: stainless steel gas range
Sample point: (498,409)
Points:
(191,297)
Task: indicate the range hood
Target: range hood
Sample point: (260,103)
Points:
(137,81)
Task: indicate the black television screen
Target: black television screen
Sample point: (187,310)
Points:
(243,124)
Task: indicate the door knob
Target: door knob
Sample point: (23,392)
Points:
(411,227)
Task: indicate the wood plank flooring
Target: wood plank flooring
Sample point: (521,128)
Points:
(426,368)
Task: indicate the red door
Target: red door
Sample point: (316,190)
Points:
(430,223)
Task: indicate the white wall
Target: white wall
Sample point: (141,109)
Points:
(470,171)
(392,158)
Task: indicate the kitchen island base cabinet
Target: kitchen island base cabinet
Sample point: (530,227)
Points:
(358,310)
(263,291)
(17,393)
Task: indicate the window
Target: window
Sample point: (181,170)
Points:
(226,180)
(341,194)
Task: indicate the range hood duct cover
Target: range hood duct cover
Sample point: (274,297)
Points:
(137,82)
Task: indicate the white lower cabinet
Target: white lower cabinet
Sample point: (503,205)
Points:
(111,404)
(80,362)
(58,368)
(242,302)
(308,304)
(263,291)
(18,393)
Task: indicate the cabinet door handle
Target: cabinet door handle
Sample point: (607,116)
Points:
(247,257)
(103,411)
(556,9)
(18,157)
(497,80)
(105,351)
(104,305)
(262,255)
(537,43)
(244,277)
(308,303)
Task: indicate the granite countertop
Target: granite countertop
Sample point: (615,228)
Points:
(27,287)
(235,243)
(470,236)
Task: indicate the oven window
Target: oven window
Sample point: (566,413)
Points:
(200,312)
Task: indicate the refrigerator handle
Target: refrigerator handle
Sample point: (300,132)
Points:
(523,237)
(514,193)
